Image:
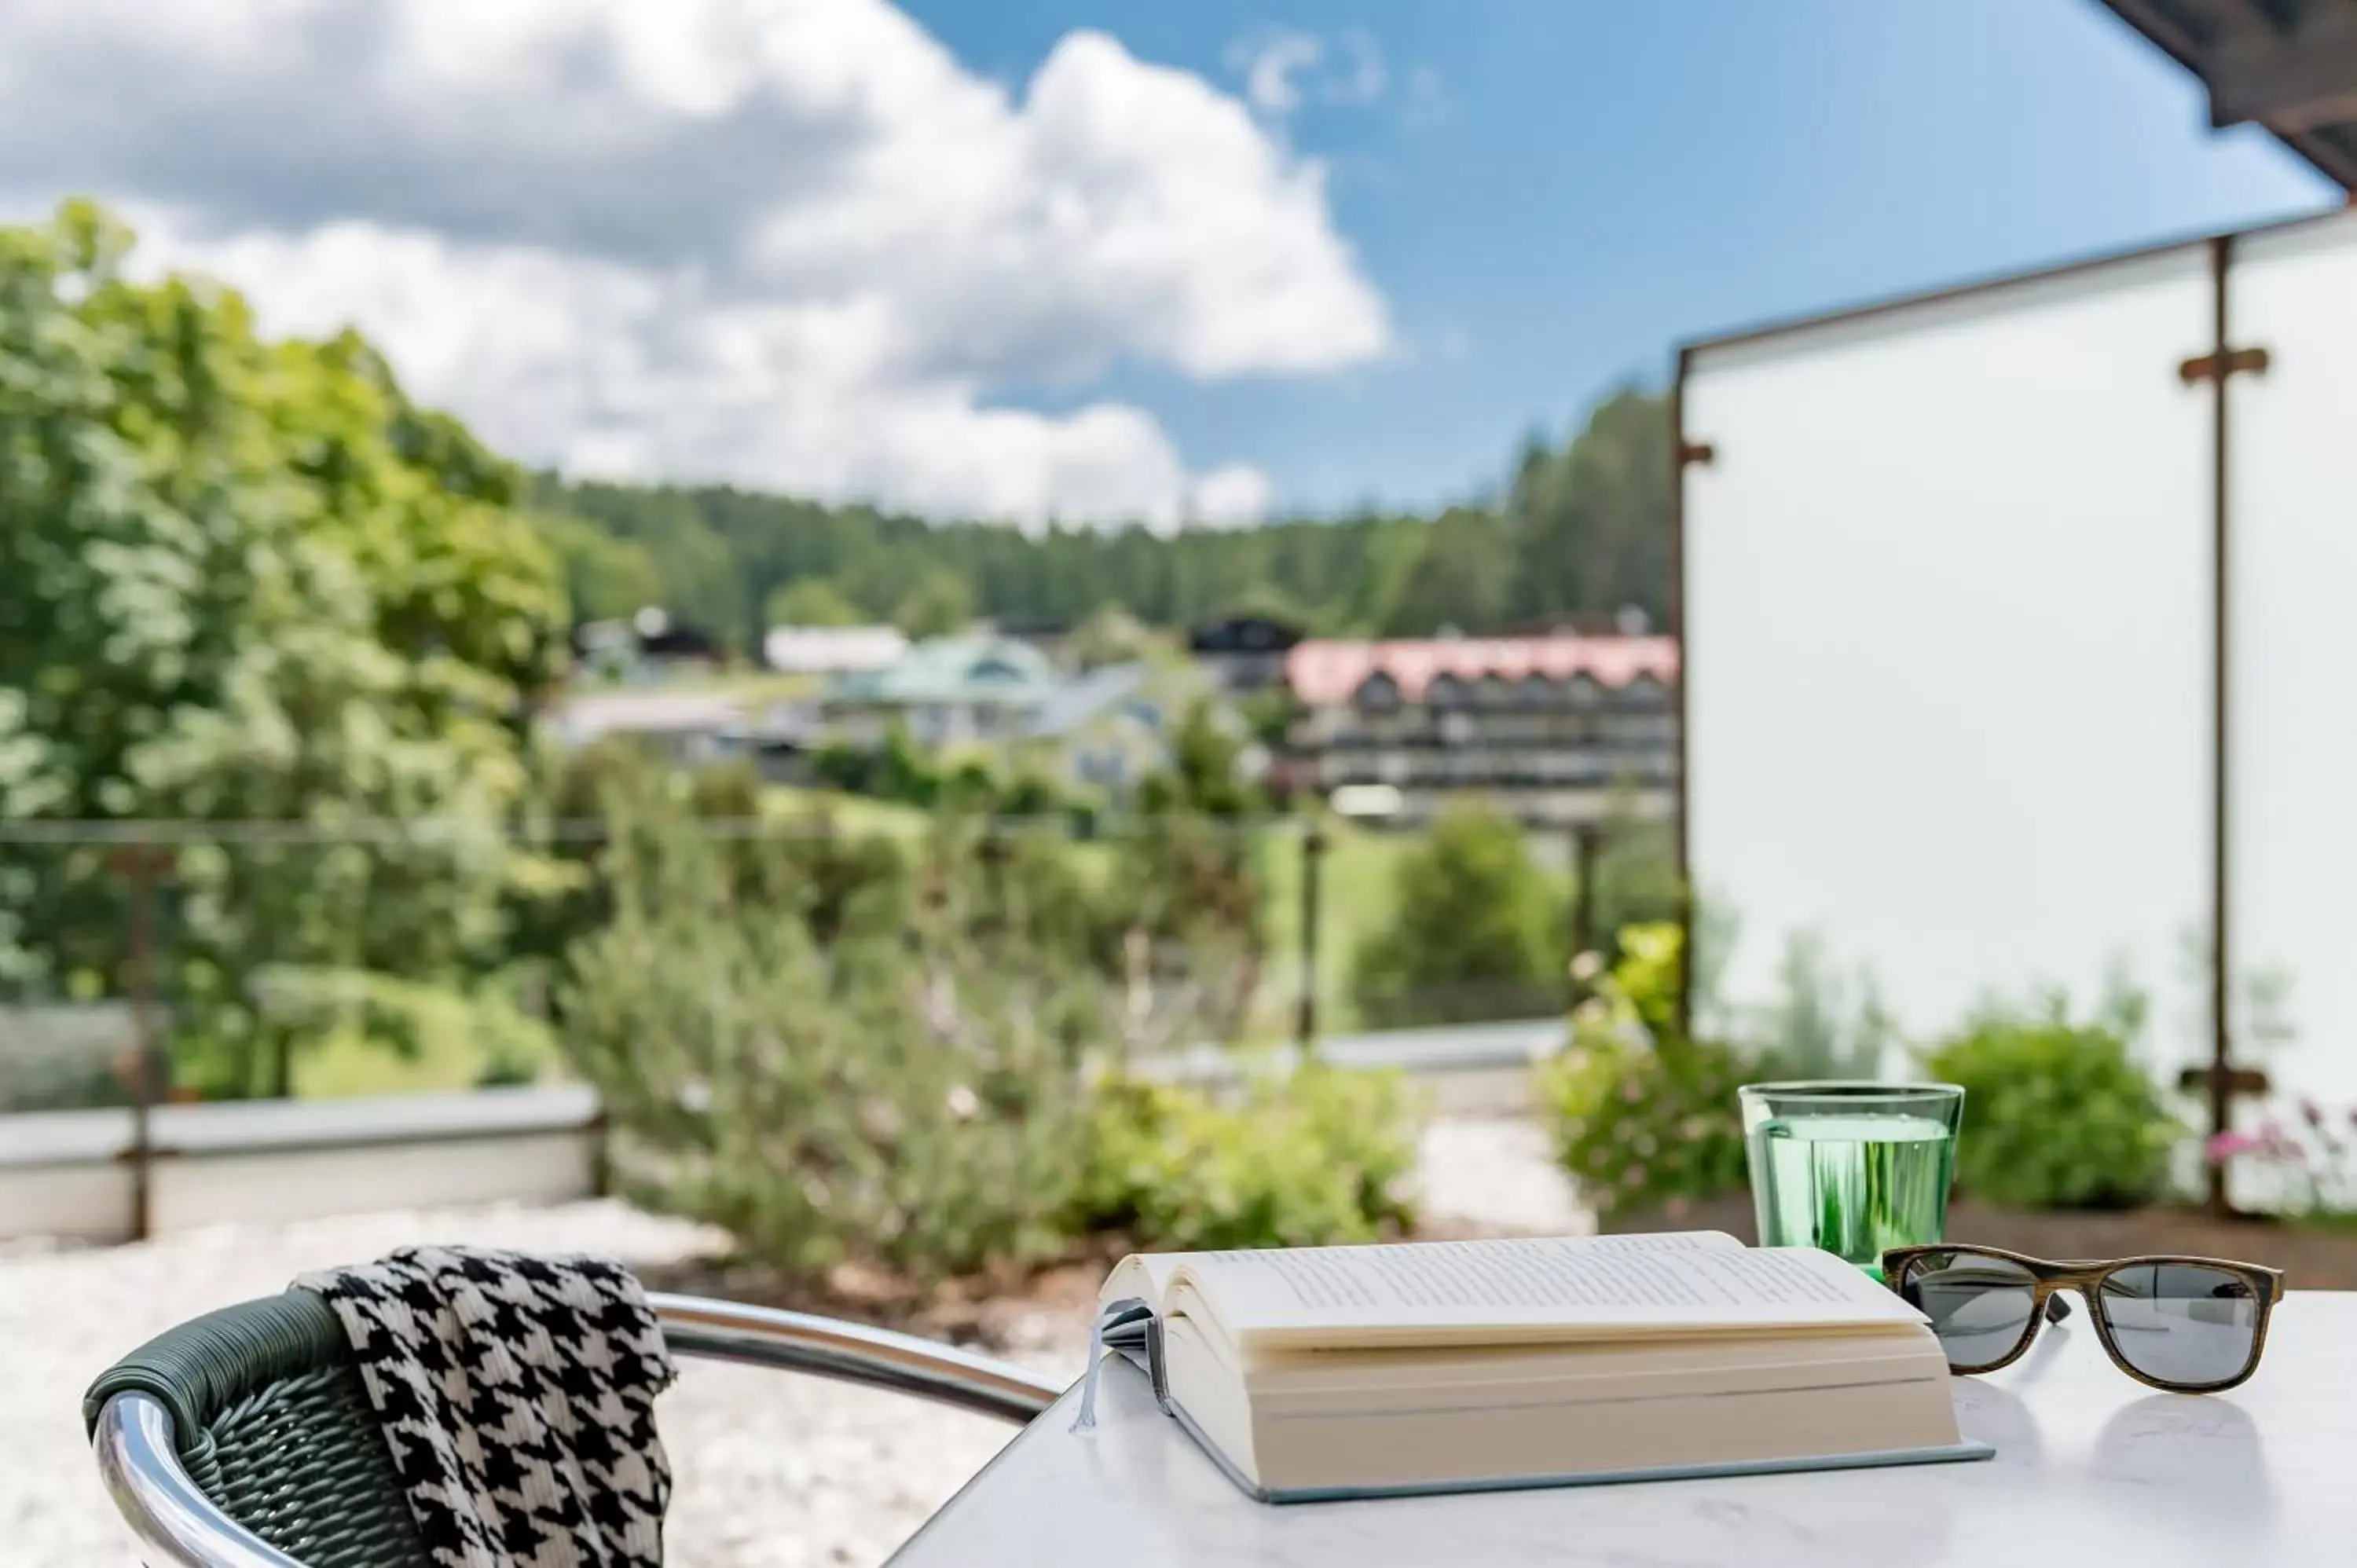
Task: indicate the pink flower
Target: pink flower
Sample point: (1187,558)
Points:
(2224,1146)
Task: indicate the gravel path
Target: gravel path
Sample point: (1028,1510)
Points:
(772,1469)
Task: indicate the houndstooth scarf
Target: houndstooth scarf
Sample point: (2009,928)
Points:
(517,1395)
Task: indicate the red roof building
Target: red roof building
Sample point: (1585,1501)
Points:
(1560,729)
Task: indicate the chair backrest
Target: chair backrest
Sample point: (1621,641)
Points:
(274,1426)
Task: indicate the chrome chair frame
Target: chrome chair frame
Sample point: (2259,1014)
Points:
(178,1527)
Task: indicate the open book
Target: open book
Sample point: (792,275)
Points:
(1454,1366)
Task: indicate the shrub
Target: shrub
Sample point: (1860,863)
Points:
(1313,1159)
(2309,1164)
(901,1096)
(1182,897)
(66,1057)
(1640,1125)
(1471,930)
(1823,1024)
(2057,1115)
(1641,1117)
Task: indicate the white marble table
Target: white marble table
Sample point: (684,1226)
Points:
(2091,1468)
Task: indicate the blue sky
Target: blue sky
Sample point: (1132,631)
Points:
(1601,180)
(1094,260)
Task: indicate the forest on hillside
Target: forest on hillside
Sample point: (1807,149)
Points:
(1581,529)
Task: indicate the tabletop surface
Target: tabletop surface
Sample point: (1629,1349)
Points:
(2091,1468)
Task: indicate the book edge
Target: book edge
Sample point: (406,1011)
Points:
(1963,1452)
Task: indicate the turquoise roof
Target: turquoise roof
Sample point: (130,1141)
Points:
(955,669)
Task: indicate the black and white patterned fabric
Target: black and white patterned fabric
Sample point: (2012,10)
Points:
(517,1395)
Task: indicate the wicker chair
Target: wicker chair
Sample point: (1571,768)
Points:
(244,1439)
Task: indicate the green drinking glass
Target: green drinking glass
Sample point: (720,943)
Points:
(1855,1168)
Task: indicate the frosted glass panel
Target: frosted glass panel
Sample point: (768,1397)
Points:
(1948,620)
(2292,792)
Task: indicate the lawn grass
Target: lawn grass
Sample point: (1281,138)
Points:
(1355,877)
(349,1065)
(755,686)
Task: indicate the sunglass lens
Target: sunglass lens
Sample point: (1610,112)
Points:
(2180,1323)
(1979,1306)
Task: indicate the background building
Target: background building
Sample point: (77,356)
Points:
(832,649)
(1560,729)
(945,692)
(1244,653)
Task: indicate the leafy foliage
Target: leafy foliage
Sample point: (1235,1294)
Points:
(903,773)
(1641,1118)
(811,601)
(247,580)
(899,1070)
(2057,1114)
(605,578)
(1583,531)
(2308,1162)
(1185,885)
(1471,932)
(1590,522)
(940,605)
(912,1098)
(1642,1128)
(64,1059)
(1822,1025)
(1316,1159)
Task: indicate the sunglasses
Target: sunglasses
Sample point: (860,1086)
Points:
(2185,1324)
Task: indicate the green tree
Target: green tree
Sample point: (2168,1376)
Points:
(1111,636)
(605,578)
(1463,577)
(811,601)
(246,580)
(1584,529)
(1470,934)
(941,604)
(1591,522)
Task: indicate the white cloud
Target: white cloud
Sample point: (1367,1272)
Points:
(1271,63)
(1225,497)
(1365,77)
(1283,69)
(790,242)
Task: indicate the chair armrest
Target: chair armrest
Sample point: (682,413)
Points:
(853,1352)
(176,1525)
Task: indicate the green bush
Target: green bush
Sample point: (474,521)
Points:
(66,1057)
(1642,1125)
(1641,1117)
(906,1096)
(1470,934)
(926,1092)
(2057,1115)
(1316,1158)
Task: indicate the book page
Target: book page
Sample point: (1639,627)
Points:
(1148,1275)
(1433,1292)
(1144,1275)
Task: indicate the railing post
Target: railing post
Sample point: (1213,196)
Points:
(1586,843)
(136,865)
(1313,853)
